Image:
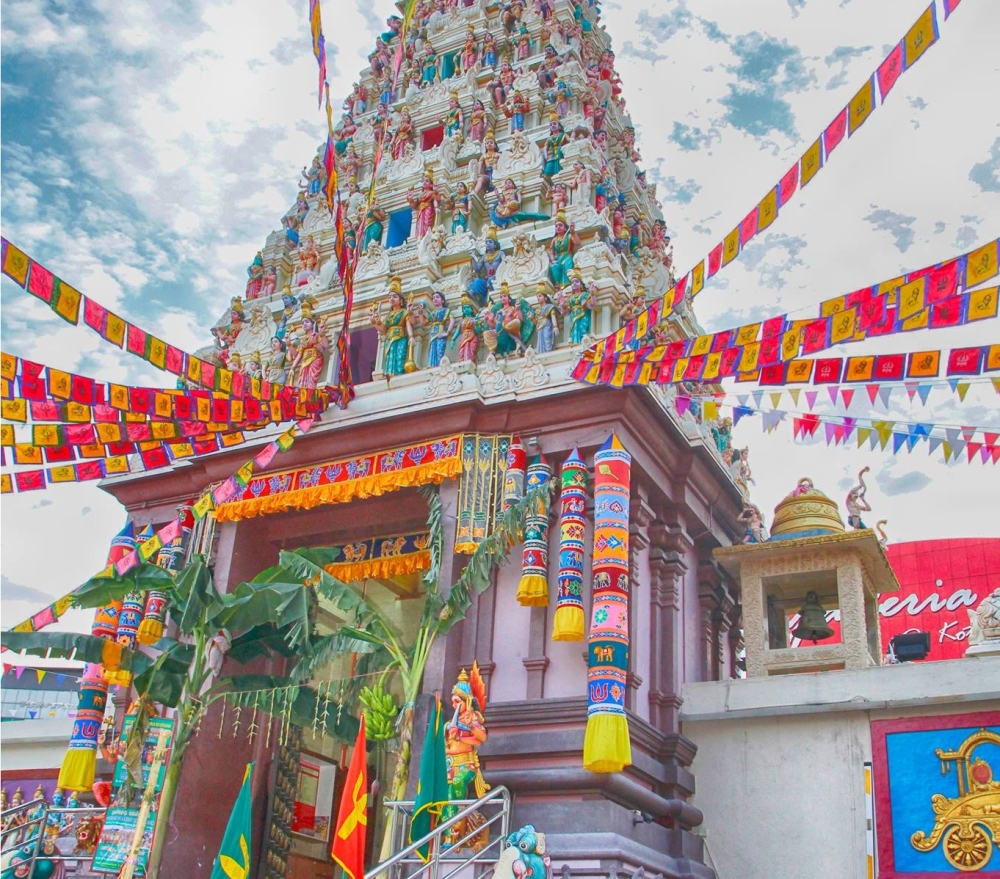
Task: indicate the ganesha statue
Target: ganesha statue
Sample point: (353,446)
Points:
(984,625)
(523,856)
(463,736)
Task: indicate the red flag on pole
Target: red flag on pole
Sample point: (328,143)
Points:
(348,847)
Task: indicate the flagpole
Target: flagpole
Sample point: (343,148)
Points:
(131,861)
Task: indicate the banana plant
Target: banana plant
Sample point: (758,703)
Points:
(268,616)
(372,636)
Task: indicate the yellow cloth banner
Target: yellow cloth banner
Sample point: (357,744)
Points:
(768,210)
(861,106)
(812,161)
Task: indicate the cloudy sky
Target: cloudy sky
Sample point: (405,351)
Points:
(149,148)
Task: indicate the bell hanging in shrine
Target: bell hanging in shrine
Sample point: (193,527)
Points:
(812,625)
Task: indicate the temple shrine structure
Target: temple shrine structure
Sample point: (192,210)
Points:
(511,226)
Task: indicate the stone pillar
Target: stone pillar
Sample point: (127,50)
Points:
(668,546)
(716,606)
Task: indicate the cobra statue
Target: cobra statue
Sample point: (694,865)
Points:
(523,856)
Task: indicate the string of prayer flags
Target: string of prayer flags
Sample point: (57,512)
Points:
(920,37)
(934,297)
(606,745)
(165,536)
(568,621)
(533,588)
(69,303)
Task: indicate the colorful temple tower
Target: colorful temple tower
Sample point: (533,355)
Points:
(511,225)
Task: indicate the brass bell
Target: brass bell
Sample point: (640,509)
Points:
(812,624)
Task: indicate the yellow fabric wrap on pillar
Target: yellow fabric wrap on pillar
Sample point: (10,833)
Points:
(78,770)
(150,631)
(568,623)
(606,746)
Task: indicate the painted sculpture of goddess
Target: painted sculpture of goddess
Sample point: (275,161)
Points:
(396,329)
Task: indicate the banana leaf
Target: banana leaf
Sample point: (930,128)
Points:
(62,645)
(101,590)
(253,604)
(195,594)
(301,568)
(263,640)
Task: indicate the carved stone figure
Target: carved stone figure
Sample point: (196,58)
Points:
(577,301)
(754,521)
(255,335)
(527,261)
(984,637)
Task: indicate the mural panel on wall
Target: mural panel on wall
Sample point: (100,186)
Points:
(937,801)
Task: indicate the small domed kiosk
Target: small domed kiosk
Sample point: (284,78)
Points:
(809,567)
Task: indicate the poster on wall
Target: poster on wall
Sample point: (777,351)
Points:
(314,798)
(120,823)
(937,799)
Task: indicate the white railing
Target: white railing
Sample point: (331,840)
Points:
(445,861)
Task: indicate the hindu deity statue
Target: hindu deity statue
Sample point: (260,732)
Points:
(511,14)
(754,521)
(502,86)
(312,177)
(403,136)
(547,71)
(375,218)
(559,198)
(487,162)
(344,133)
(351,164)
(506,211)
(312,347)
(425,204)
(582,183)
(561,249)
(545,317)
(255,276)
(635,306)
(512,319)
(269,282)
(278,362)
(515,109)
(489,52)
(470,51)
(477,122)
(577,302)
(619,229)
(454,119)
(429,64)
(440,325)
(523,44)
(464,734)
(559,98)
(466,334)
(552,151)
(602,191)
(308,259)
(484,267)
(460,209)
(396,329)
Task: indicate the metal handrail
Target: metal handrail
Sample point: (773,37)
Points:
(406,854)
(36,839)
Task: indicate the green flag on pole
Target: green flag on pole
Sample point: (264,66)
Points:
(233,861)
(432,789)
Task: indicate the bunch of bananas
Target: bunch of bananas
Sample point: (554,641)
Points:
(380,713)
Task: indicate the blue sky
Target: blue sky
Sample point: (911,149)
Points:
(148,150)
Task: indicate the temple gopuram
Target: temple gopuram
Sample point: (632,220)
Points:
(511,226)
